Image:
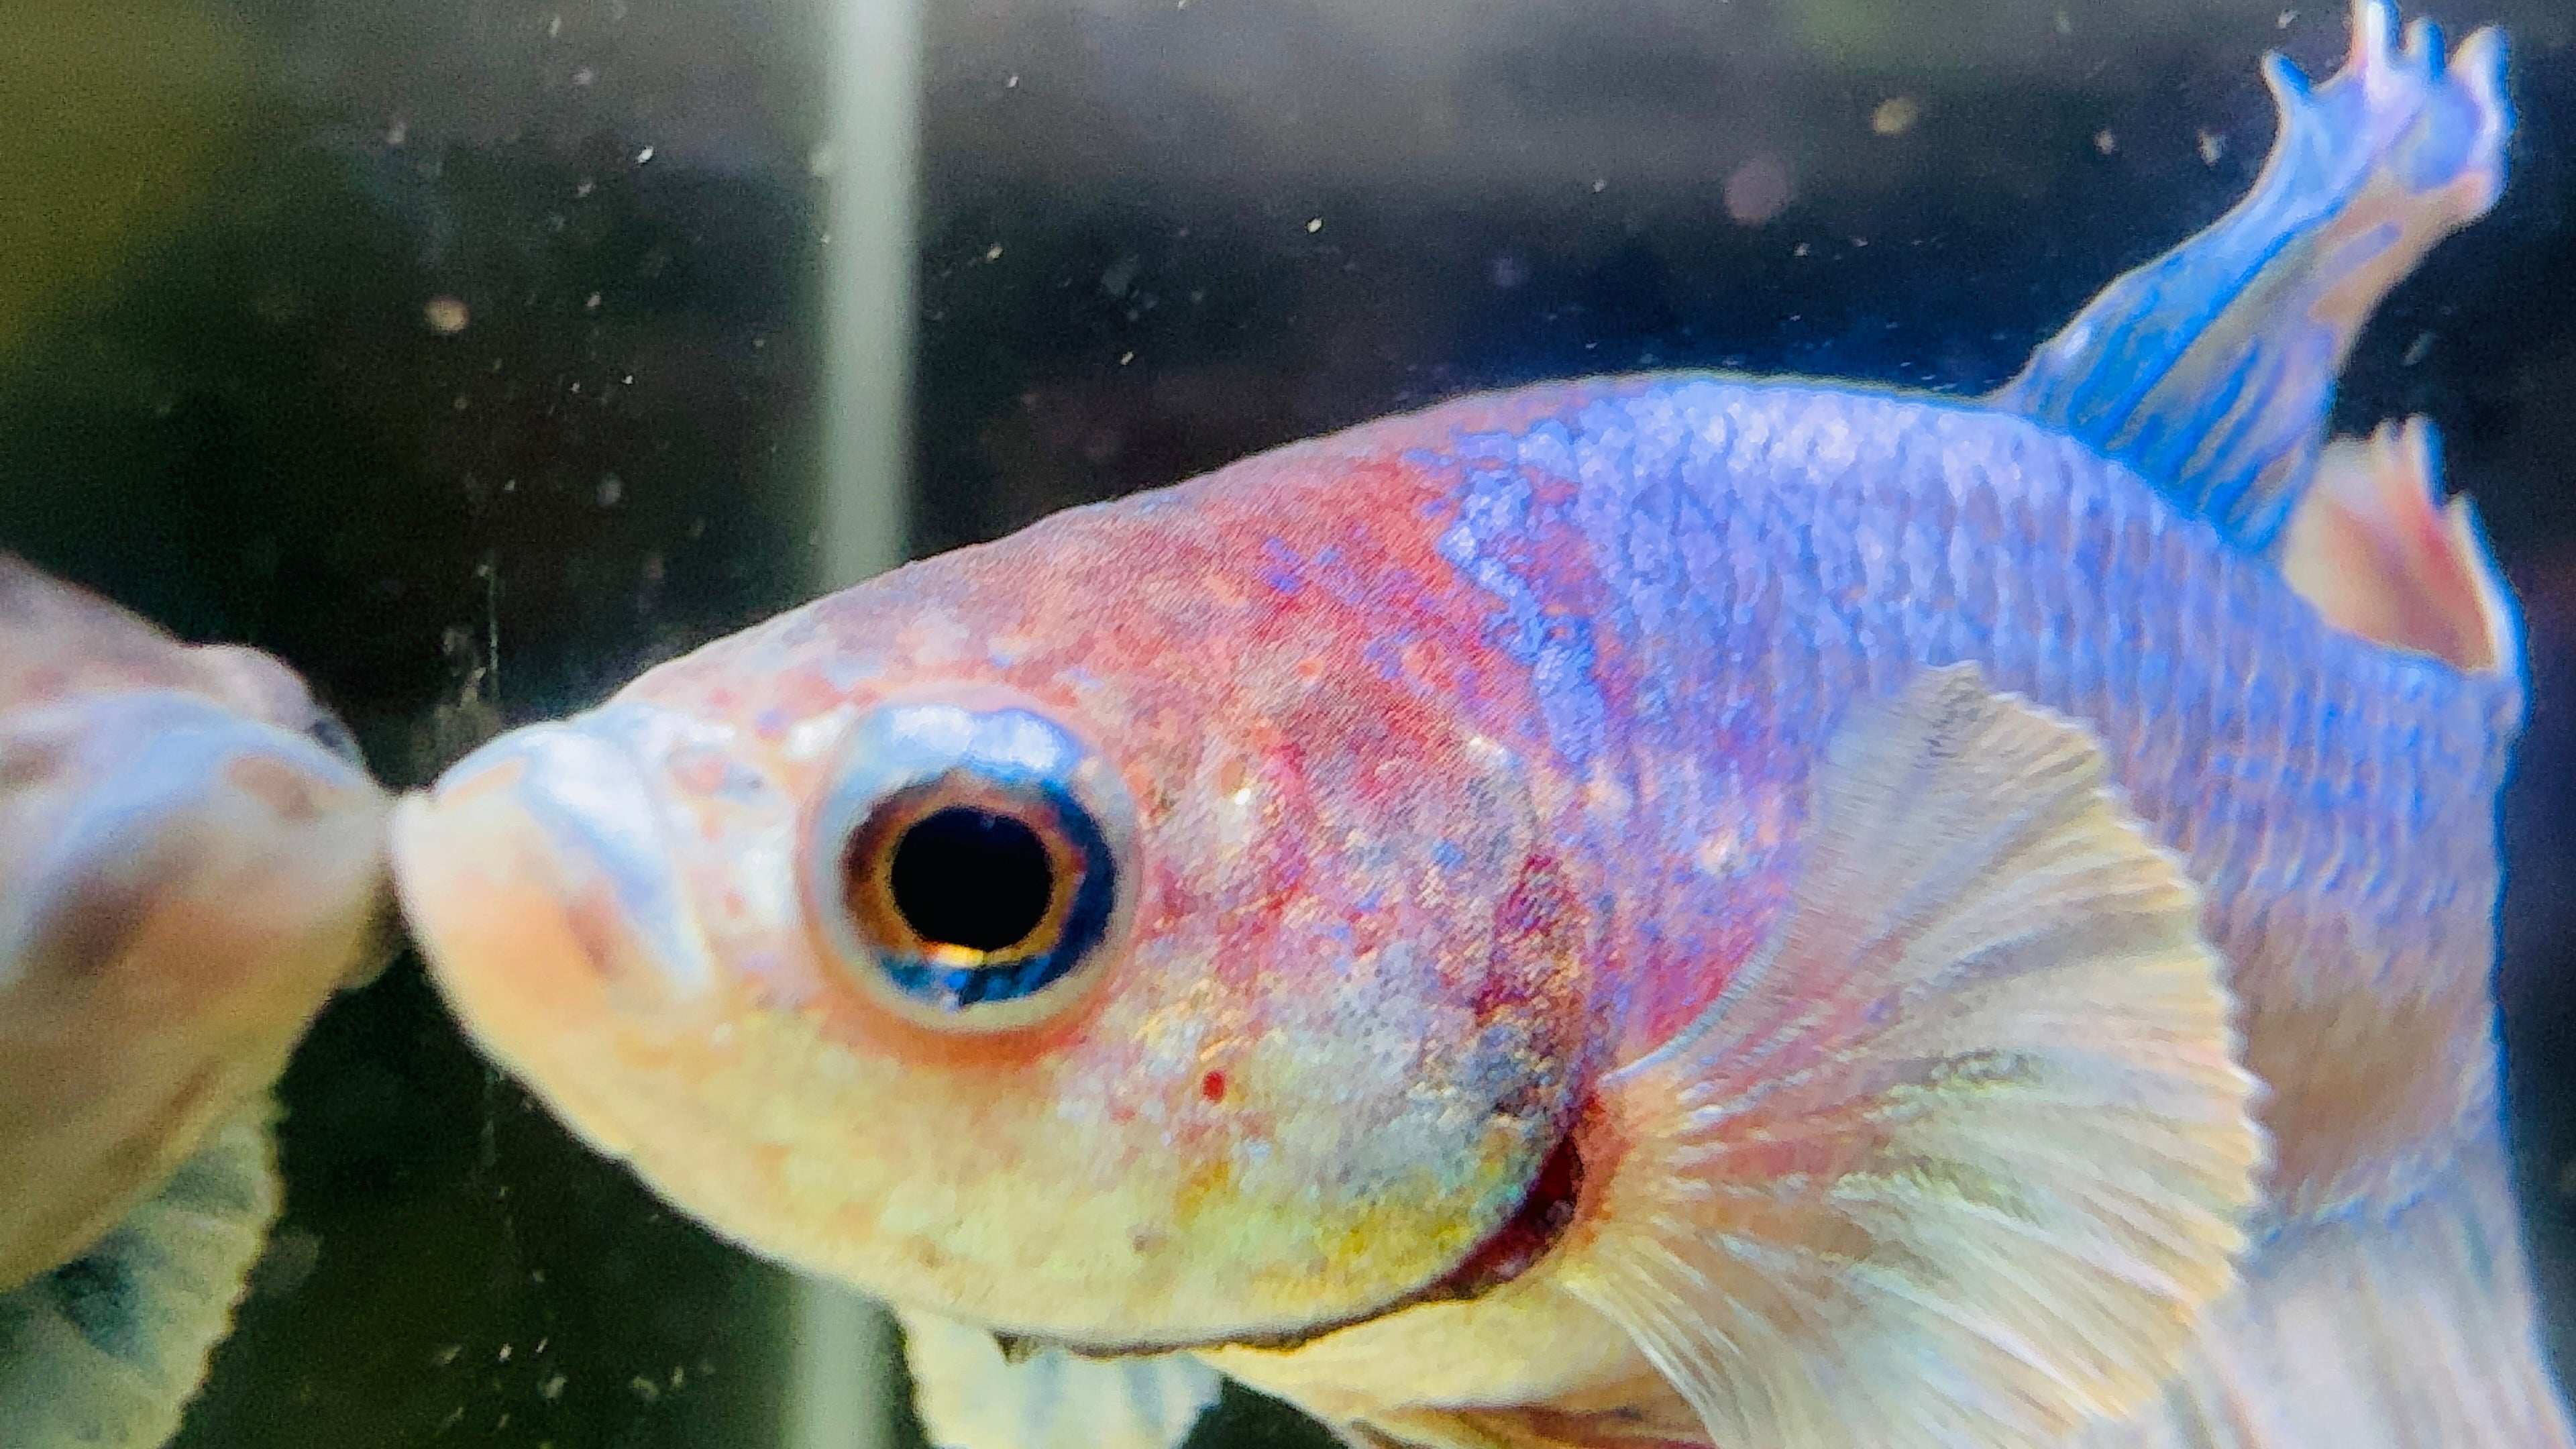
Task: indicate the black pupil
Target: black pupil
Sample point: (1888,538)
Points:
(971,878)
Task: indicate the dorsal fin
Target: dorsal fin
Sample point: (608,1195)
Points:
(2211,369)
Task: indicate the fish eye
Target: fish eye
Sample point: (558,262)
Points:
(327,730)
(966,863)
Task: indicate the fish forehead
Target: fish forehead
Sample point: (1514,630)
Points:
(1244,778)
(57,640)
(60,642)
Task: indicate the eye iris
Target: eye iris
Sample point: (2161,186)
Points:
(971,878)
(968,864)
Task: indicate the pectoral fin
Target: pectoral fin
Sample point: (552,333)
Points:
(1961,1159)
(105,1351)
(970,1394)
(2407,1329)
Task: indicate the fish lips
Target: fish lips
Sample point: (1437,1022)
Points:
(561,820)
(150,795)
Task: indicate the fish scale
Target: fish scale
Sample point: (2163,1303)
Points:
(2272,751)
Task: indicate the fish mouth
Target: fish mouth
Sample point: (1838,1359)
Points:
(163,792)
(550,826)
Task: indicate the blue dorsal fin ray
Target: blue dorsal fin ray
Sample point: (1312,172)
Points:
(2211,369)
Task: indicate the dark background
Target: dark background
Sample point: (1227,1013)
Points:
(368,331)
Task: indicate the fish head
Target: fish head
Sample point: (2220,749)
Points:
(948,940)
(182,885)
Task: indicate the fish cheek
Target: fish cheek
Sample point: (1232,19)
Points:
(95,917)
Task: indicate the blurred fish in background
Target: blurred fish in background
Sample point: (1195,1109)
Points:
(191,865)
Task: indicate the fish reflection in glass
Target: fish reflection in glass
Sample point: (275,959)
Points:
(191,863)
(1673,910)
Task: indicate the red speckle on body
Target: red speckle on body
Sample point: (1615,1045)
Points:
(1212,1086)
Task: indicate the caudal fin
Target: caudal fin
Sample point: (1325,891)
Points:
(2411,1331)
(2211,369)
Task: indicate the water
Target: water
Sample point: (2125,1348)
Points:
(473,355)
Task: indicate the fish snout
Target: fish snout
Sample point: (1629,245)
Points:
(148,811)
(537,871)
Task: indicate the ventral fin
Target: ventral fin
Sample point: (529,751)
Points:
(2211,369)
(971,1395)
(2375,550)
(106,1351)
(1962,1157)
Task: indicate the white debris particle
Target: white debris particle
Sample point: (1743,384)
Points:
(2212,146)
(446,316)
(1757,191)
(1315,224)
(993,253)
(2105,142)
(1896,115)
(644,155)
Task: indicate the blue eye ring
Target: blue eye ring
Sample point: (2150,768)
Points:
(1055,822)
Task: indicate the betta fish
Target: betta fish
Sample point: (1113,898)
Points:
(191,864)
(1677,910)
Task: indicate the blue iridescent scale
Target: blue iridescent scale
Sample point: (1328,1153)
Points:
(1768,554)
